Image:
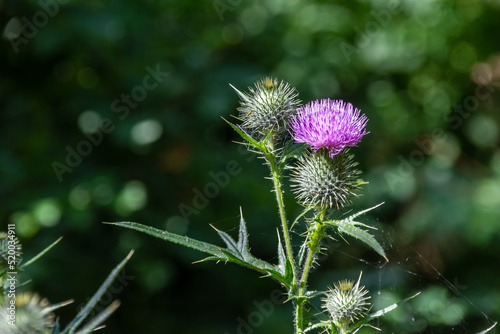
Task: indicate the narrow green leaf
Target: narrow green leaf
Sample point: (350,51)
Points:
(99,319)
(175,238)
(284,265)
(306,210)
(39,255)
(327,324)
(230,243)
(243,246)
(350,227)
(362,235)
(56,329)
(282,260)
(243,134)
(301,256)
(357,214)
(84,312)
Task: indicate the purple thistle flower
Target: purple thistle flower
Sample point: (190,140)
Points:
(330,124)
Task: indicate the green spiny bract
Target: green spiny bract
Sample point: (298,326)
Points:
(324,182)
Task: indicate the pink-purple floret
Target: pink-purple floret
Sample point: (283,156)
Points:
(330,124)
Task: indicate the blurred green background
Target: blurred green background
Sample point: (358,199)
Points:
(426,73)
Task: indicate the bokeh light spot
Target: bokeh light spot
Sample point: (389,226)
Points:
(47,212)
(482,131)
(26,223)
(254,19)
(146,132)
(13,29)
(89,121)
(79,197)
(487,194)
(133,197)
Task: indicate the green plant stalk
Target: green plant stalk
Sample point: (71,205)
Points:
(281,208)
(275,173)
(314,247)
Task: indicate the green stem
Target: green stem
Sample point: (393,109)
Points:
(281,208)
(275,173)
(315,236)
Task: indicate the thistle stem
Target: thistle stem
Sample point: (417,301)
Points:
(317,233)
(276,176)
(281,208)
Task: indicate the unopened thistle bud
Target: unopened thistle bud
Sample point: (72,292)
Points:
(268,107)
(32,315)
(324,182)
(346,302)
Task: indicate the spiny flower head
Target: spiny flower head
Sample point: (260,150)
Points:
(330,124)
(324,182)
(33,315)
(268,107)
(346,302)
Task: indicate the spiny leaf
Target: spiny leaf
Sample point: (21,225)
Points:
(244,135)
(281,255)
(284,264)
(175,238)
(302,255)
(243,237)
(99,319)
(237,252)
(84,312)
(327,324)
(230,243)
(367,238)
(39,255)
(357,214)
(306,210)
(350,227)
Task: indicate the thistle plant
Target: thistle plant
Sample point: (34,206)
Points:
(25,312)
(311,143)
